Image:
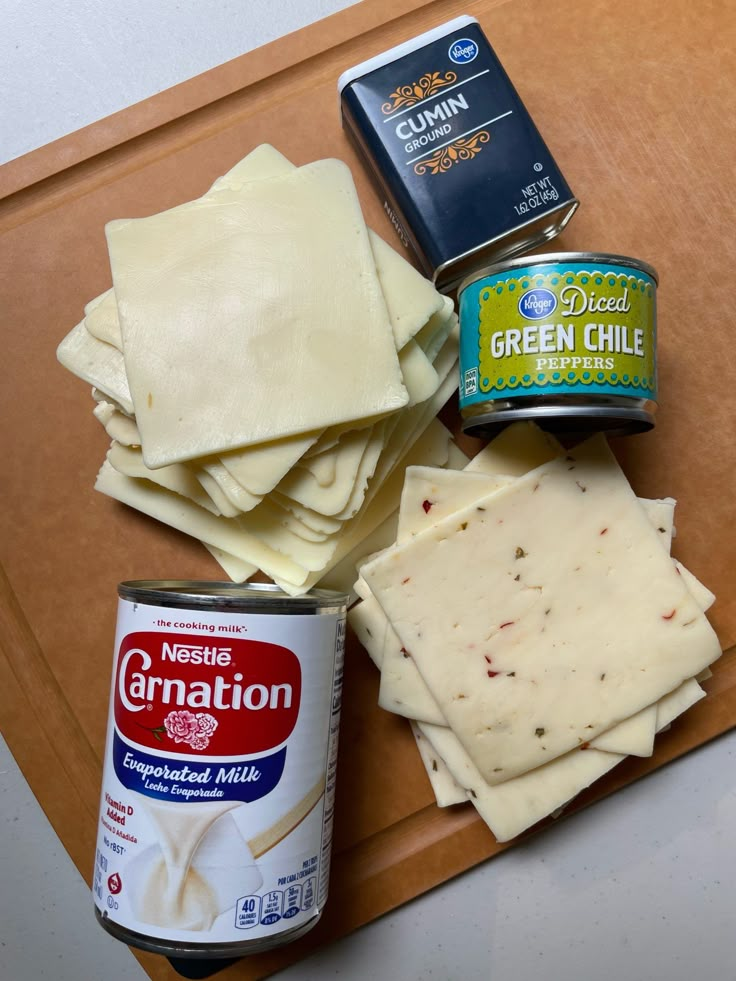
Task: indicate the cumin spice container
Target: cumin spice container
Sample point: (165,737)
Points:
(465,175)
(568,341)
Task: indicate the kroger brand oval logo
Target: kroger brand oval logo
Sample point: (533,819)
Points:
(192,695)
(537,304)
(463,51)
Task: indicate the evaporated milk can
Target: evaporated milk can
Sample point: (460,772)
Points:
(216,812)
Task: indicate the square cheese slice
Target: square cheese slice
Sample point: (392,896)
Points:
(233,313)
(500,606)
(511,807)
(446,789)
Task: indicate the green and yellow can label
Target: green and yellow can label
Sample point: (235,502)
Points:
(558,328)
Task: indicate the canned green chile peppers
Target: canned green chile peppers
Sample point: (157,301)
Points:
(567,340)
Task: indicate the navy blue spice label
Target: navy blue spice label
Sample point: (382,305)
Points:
(453,145)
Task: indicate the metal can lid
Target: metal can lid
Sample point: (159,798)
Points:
(529,261)
(229,596)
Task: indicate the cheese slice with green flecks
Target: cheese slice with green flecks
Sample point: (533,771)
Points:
(446,789)
(511,807)
(573,620)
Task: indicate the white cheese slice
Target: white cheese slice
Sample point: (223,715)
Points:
(437,329)
(542,629)
(277,514)
(128,460)
(457,459)
(431,448)
(118,426)
(262,162)
(414,421)
(179,513)
(355,459)
(241,277)
(219,498)
(323,482)
(420,377)
(323,467)
(312,519)
(234,569)
(411,299)
(238,496)
(433,494)
(101,319)
(259,468)
(342,574)
(97,363)
(447,791)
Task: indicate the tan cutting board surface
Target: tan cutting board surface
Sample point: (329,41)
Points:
(632,99)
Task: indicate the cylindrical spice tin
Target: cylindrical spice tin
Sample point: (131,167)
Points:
(216,814)
(568,341)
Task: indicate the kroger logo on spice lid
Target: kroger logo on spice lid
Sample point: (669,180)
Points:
(463,50)
(537,304)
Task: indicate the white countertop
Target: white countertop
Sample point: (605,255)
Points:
(640,886)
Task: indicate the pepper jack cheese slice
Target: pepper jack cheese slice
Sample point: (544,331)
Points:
(430,495)
(511,807)
(446,789)
(520,653)
(254,305)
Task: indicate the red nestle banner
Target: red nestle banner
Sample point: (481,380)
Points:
(188,694)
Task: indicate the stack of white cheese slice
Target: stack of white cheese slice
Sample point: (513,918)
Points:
(266,367)
(532,624)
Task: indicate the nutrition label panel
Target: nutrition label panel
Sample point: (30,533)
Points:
(278,904)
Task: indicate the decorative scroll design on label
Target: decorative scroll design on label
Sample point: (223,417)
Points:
(409,95)
(448,156)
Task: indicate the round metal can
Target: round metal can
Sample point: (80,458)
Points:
(568,340)
(216,811)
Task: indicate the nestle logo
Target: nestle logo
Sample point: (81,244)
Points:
(537,304)
(196,654)
(463,51)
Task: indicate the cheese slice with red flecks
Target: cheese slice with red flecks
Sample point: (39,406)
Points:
(545,614)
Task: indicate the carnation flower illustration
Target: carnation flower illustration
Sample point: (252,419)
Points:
(186,727)
(181,726)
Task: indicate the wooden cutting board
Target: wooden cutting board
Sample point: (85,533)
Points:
(631,98)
